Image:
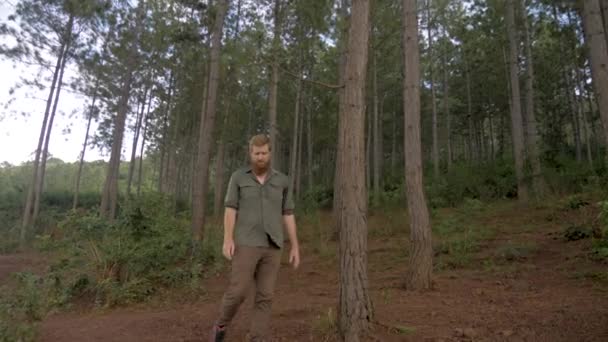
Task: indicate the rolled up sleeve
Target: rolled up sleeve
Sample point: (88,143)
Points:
(288,203)
(232,194)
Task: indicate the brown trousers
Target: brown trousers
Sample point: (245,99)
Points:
(259,265)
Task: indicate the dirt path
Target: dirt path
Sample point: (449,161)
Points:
(535,298)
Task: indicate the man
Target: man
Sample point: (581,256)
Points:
(258,203)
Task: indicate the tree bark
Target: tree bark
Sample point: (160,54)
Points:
(368,152)
(435,152)
(355,307)
(109,198)
(538,182)
(141,151)
(582,115)
(29,202)
(49,128)
(516,117)
(274,84)
(294,142)
(471,127)
(309,149)
(84,146)
(598,53)
(605,19)
(420,267)
(377,134)
(343,13)
(394,145)
(164,158)
(446,108)
(138,123)
(207,126)
(299,168)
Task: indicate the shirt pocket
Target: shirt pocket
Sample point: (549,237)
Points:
(274,192)
(249,191)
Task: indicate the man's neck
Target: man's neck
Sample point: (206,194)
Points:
(260,174)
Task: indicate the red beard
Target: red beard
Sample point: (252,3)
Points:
(260,167)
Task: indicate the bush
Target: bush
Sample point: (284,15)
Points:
(574,233)
(483,182)
(144,250)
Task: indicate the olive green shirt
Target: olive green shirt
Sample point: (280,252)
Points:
(260,207)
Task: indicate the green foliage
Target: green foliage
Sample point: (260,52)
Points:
(577,232)
(319,197)
(511,252)
(325,323)
(484,182)
(565,175)
(576,201)
(28,303)
(145,250)
(600,244)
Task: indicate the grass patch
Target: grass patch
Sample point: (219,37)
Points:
(403,330)
(325,323)
(511,252)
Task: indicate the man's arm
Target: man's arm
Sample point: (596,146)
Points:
(231,203)
(229,221)
(294,255)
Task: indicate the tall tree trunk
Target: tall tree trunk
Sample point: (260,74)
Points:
(207,126)
(605,18)
(296,121)
(368,152)
(141,151)
(377,134)
(598,53)
(446,107)
(164,148)
(394,145)
(491,126)
(420,267)
(516,117)
(49,128)
(29,202)
(172,163)
(581,109)
(501,137)
(435,152)
(538,182)
(109,198)
(218,192)
(471,126)
(355,307)
(299,169)
(84,145)
(345,20)
(309,148)
(274,84)
(138,123)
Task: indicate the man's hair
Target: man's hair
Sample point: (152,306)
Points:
(259,141)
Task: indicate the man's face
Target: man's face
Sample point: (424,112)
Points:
(260,156)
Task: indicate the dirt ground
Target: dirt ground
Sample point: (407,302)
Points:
(547,295)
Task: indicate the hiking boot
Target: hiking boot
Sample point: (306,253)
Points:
(217,333)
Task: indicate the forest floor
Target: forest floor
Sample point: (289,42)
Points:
(503,273)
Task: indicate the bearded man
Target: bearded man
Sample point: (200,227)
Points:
(258,204)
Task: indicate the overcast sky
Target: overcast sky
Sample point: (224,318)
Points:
(19,133)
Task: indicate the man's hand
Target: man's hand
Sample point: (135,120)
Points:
(228,249)
(294,257)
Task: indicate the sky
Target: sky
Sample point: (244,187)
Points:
(19,133)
